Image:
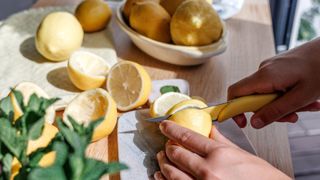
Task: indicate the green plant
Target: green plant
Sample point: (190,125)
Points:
(69,144)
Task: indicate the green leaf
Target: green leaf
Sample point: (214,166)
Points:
(35,129)
(45,103)
(169,88)
(7,162)
(94,169)
(76,126)
(6,107)
(61,152)
(50,173)
(34,103)
(76,163)
(9,136)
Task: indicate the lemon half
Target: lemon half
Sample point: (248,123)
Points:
(129,84)
(87,70)
(92,105)
(164,103)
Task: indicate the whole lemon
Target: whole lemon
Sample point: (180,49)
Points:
(58,35)
(93,15)
(129,4)
(195,23)
(172,5)
(152,20)
(194,119)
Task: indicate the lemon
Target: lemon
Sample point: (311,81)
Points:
(172,5)
(164,103)
(27,89)
(91,105)
(189,103)
(58,35)
(87,70)
(129,84)
(130,3)
(48,133)
(195,119)
(195,23)
(93,15)
(152,20)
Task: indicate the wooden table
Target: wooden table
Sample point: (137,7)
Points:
(250,41)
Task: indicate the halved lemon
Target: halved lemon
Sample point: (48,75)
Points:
(129,84)
(91,105)
(189,103)
(27,89)
(164,103)
(87,70)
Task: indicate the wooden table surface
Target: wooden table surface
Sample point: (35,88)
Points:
(250,41)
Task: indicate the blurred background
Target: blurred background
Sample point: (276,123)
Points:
(294,23)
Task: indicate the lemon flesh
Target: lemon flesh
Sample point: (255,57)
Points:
(194,119)
(92,105)
(129,84)
(93,15)
(58,35)
(87,70)
(27,89)
(152,20)
(164,103)
(195,23)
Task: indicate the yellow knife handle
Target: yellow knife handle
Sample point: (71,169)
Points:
(251,103)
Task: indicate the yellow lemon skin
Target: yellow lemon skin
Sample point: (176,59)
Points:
(194,119)
(195,23)
(48,133)
(130,3)
(152,20)
(93,15)
(58,35)
(172,5)
(190,103)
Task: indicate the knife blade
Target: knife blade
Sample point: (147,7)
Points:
(231,108)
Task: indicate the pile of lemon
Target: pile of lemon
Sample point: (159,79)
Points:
(182,22)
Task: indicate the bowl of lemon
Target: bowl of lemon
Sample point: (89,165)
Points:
(180,32)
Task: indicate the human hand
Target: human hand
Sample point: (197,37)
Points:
(296,74)
(189,155)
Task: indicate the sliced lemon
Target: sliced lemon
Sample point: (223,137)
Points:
(129,84)
(92,105)
(189,103)
(195,119)
(87,70)
(164,103)
(27,89)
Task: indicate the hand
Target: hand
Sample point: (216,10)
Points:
(295,73)
(189,155)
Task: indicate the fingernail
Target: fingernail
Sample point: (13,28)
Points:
(161,127)
(160,155)
(158,176)
(257,123)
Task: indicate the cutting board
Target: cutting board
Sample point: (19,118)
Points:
(20,61)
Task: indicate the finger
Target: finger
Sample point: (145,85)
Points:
(169,170)
(241,120)
(217,136)
(158,176)
(291,118)
(315,106)
(186,160)
(278,109)
(189,139)
(265,63)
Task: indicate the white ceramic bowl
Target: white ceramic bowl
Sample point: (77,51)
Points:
(170,53)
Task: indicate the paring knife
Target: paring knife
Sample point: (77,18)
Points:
(229,109)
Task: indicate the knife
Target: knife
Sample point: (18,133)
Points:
(229,109)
